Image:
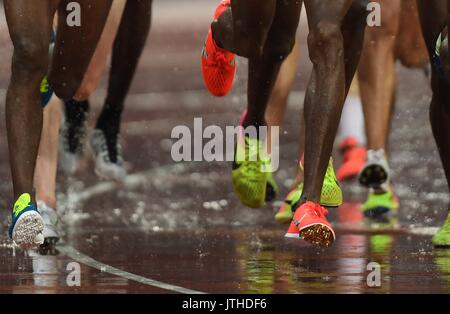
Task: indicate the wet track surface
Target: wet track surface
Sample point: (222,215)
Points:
(180,224)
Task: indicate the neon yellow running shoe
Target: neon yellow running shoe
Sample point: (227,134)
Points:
(45,91)
(249,174)
(380,204)
(26,223)
(442,237)
(331,196)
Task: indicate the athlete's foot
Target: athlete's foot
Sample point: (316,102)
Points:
(107,153)
(50,218)
(331,196)
(72,148)
(375,173)
(310,224)
(27,224)
(442,238)
(249,175)
(218,65)
(354,159)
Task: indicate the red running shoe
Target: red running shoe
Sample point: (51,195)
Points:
(218,65)
(311,225)
(354,159)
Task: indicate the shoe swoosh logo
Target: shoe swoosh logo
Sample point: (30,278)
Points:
(298,222)
(204,53)
(18,210)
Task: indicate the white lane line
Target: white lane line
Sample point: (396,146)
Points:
(89,261)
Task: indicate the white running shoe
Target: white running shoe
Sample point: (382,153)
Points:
(51,235)
(109,163)
(376,172)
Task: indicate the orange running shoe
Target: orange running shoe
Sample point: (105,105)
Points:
(218,65)
(354,159)
(311,225)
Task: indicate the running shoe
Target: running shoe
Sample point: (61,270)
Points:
(109,164)
(310,224)
(26,225)
(50,218)
(379,204)
(376,170)
(442,237)
(45,89)
(46,92)
(72,145)
(354,159)
(250,172)
(331,196)
(218,65)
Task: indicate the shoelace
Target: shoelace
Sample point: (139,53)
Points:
(219,60)
(315,210)
(318,211)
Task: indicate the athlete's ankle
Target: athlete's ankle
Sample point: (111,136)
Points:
(49,201)
(76,112)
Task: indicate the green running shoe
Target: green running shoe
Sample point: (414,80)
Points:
(442,237)
(45,91)
(26,223)
(331,196)
(377,205)
(250,173)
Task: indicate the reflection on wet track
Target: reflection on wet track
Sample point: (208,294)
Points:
(181,225)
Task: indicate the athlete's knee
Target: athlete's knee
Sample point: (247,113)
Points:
(30,57)
(388,31)
(64,86)
(325,40)
(280,47)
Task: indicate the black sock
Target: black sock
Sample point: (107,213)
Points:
(76,112)
(76,115)
(109,122)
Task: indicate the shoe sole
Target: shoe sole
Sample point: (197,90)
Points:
(318,235)
(27,228)
(373,176)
